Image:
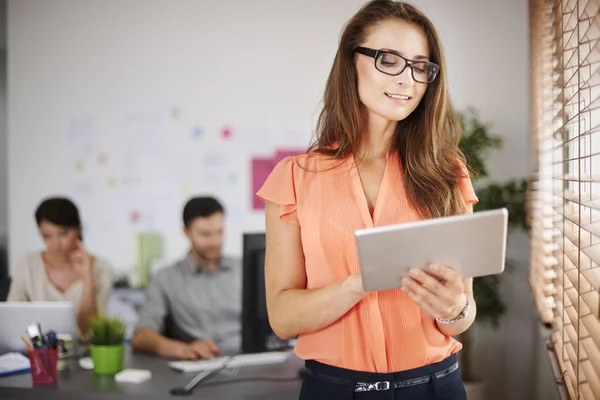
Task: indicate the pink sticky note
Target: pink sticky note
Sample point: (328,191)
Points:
(135,216)
(227,133)
(261,168)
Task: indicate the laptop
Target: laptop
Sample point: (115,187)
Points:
(16,316)
(473,244)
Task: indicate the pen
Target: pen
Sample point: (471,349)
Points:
(51,340)
(44,344)
(47,340)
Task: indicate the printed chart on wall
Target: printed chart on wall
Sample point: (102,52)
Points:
(136,163)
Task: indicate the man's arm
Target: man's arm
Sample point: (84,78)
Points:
(151,341)
(147,336)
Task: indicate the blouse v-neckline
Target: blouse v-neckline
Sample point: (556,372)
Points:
(369,220)
(52,285)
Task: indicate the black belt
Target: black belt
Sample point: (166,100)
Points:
(384,385)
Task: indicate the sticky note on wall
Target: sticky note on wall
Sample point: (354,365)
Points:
(262,168)
(148,250)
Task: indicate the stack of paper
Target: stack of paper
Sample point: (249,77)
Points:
(133,375)
(13,363)
(241,360)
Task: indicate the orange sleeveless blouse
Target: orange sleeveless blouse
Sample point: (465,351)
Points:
(386,331)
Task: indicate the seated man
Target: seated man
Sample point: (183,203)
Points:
(199,297)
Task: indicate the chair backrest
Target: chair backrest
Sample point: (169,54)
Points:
(172,331)
(3,260)
(4,287)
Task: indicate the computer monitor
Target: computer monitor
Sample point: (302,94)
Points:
(257,335)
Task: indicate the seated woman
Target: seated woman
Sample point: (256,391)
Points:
(65,271)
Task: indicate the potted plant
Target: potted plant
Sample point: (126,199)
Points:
(476,142)
(107,345)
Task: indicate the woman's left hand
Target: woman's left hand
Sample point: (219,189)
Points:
(440,294)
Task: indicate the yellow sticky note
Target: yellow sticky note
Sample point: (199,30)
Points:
(79,166)
(188,188)
(111,182)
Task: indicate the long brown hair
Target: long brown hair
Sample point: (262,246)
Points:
(426,141)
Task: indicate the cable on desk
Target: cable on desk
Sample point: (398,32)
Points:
(206,375)
(187,389)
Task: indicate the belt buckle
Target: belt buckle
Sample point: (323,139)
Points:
(382,386)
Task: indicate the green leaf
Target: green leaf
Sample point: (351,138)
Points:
(477,141)
(107,331)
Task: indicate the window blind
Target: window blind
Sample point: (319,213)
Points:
(564,202)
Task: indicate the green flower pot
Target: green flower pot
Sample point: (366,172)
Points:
(108,360)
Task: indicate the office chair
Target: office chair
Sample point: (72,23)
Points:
(3,261)
(172,331)
(4,287)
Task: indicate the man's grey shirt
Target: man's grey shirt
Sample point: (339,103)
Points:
(200,304)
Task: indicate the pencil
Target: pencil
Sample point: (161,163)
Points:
(27,344)
(36,361)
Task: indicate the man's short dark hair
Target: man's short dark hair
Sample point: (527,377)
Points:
(200,207)
(59,211)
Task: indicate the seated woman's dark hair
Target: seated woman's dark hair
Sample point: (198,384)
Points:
(59,211)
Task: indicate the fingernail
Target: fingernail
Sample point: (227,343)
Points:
(434,267)
(414,272)
(404,289)
(406,281)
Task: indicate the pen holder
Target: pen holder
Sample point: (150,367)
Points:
(43,365)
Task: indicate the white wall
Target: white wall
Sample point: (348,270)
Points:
(68,57)
(486,44)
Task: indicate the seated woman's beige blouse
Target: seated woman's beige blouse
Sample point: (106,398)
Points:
(30,282)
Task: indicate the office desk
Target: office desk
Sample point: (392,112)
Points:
(77,383)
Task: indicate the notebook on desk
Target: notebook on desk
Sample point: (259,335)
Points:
(13,363)
(240,360)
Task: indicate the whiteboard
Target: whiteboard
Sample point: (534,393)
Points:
(132,107)
(134,164)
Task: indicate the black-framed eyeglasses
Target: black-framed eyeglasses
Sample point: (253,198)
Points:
(392,63)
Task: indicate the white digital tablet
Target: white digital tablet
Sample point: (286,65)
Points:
(473,244)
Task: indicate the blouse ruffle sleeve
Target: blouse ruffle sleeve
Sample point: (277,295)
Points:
(279,188)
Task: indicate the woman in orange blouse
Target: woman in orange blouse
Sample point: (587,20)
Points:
(386,153)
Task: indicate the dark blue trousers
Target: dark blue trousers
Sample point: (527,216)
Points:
(439,381)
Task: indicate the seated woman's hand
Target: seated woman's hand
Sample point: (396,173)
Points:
(81,262)
(439,293)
